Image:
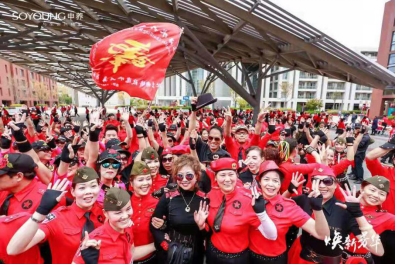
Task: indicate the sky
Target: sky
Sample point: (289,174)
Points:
(354,23)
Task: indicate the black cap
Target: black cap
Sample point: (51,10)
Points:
(390,144)
(16,162)
(109,154)
(121,150)
(112,142)
(40,145)
(218,155)
(204,100)
(61,138)
(173,127)
(171,136)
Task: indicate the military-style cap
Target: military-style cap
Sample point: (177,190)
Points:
(140,168)
(85,174)
(224,164)
(221,153)
(61,138)
(380,182)
(322,170)
(115,199)
(40,145)
(16,162)
(180,150)
(149,154)
(166,151)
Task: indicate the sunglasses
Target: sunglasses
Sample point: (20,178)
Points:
(46,150)
(326,181)
(214,138)
(113,165)
(188,176)
(167,159)
(170,140)
(73,163)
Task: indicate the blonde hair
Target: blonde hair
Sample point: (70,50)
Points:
(186,160)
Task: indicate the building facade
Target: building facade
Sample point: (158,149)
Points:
(288,90)
(21,86)
(384,100)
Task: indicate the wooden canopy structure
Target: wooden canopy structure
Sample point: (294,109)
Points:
(216,33)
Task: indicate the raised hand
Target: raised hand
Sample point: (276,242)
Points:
(315,197)
(52,196)
(258,202)
(228,114)
(297,180)
(352,203)
(201,215)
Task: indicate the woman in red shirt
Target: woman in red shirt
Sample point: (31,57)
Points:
(340,126)
(231,216)
(375,191)
(143,205)
(284,213)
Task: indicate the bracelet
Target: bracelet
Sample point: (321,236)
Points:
(36,220)
(349,145)
(365,228)
(20,142)
(140,137)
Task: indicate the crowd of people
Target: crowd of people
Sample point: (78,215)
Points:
(194,186)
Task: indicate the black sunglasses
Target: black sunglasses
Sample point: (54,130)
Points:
(326,181)
(167,159)
(188,176)
(214,138)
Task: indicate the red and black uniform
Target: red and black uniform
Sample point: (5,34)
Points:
(26,200)
(230,244)
(159,181)
(115,247)
(384,225)
(63,230)
(284,213)
(178,206)
(143,209)
(9,226)
(376,169)
(308,249)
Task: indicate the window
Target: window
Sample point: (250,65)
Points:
(22,73)
(1,91)
(391,62)
(393,42)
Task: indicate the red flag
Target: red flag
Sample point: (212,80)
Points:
(134,60)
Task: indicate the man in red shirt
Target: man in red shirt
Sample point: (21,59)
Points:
(112,121)
(377,169)
(238,144)
(20,191)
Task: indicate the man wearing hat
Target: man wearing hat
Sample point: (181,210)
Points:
(114,240)
(376,168)
(20,191)
(43,151)
(238,145)
(357,170)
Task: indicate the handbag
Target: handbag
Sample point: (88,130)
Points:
(179,254)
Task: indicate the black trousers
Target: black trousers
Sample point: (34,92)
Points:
(358,170)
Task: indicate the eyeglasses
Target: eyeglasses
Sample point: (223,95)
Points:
(188,176)
(167,159)
(73,163)
(113,165)
(326,181)
(214,138)
(46,150)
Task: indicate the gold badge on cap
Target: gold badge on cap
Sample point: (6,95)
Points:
(119,203)
(381,185)
(234,166)
(84,177)
(320,169)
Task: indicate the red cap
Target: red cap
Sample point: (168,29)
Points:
(181,149)
(224,164)
(266,166)
(166,151)
(322,170)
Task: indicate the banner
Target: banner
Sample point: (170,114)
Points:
(134,60)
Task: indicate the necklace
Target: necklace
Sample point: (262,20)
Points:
(187,205)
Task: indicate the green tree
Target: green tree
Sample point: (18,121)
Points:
(65,99)
(313,104)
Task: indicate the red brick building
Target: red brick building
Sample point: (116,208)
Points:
(21,86)
(383,99)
